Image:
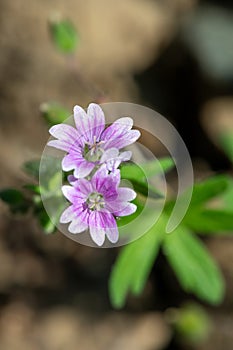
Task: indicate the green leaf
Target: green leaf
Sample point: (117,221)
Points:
(147,170)
(15,200)
(47,225)
(54,113)
(11,196)
(227,197)
(55,182)
(226,142)
(32,168)
(133,265)
(162,165)
(209,221)
(64,35)
(33,188)
(131,172)
(146,189)
(50,174)
(208,189)
(195,269)
(139,175)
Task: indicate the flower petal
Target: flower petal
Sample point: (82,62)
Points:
(60,144)
(119,134)
(67,215)
(84,186)
(72,161)
(74,196)
(89,124)
(99,178)
(120,208)
(102,223)
(96,120)
(72,179)
(77,226)
(126,194)
(105,183)
(129,209)
(109,154)
(81,122)
(112,232)
(80,116)
(113,158)
(115,206)
(124,140)
(83,169)
(67,135)
(120,126)
(125,156)
(97,228)
(79,218)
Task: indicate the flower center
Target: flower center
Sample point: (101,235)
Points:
(95,201)
(93,151)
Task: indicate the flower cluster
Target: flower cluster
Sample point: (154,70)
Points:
(94,154)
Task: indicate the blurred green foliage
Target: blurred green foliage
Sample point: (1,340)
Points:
(195,269)
(226,142)
(64,35)
(54,113)
(190,322)
(15,199)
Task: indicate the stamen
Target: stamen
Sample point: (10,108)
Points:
(93,151)
(95,201)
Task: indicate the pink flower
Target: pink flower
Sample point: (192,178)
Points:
(96,203)
(90,144)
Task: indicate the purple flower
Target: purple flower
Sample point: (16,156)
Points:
(96,204)
(90,144)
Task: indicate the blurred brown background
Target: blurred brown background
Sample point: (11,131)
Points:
(175,56)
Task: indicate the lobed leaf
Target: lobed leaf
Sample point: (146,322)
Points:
(139,175)
(134,264)
(146,170)
(209,221)
(195,269)
(208,189)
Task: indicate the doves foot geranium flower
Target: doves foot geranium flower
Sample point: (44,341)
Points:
(89,144)
(95,205)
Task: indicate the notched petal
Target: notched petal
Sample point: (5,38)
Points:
(83,169)
(77,226)
(67,215)
(126,194)
(96,120)
(68,192)
(128,209)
